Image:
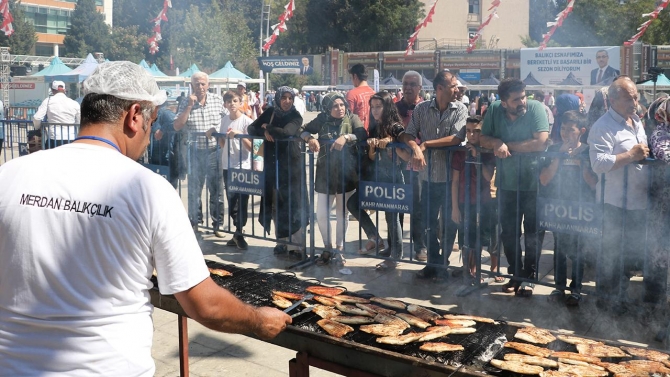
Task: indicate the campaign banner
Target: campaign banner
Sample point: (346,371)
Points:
(417,61)
(571,65)
(162,170)
(246,182)
(572,217)
(295,65)
(478,59)
(387,197)
(19,85)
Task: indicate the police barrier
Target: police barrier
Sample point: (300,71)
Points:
(57,134)
(14,136)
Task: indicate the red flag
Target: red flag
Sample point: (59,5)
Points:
(171,63)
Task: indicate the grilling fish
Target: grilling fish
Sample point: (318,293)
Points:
(441,347)
(352,319)
(395,304)
(555,373)
(439,332)
(382,330)
(220,272)
(414,321)
(289,295)
(324,311)
(463,330)
(354,310)
(399,339)
(576,340)
(324,291)
(646,354)
(582,371)
(325,300)
(351,299)
(534,335)
(600,350)
(423,313)
(335,329)
(391,320)
(578,362)
(376,309)
(529,349)
(575,356)
(281,302)
(646,365)
(455,322)
(532,360)
(469,317)
(516,367)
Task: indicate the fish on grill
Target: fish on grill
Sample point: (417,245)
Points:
(600,350)
(555,373)
(646,353)
(281,302)
(382,330)
(395,304)
(517,367)
(344,308)
(325,291)
(414,321)
(578,362)
(582,371)
(649,366)
(289,295)
(532,360)
(376,308)
(455,322)
(441,347)
(469,317)
(576,340)
(575,356)
(534,335)
(335,329)
(463,330)
(390,320)
(399,340)
(617,369)
(323,300)
(529,349)
(219,272)
(324,311)
(352,319)
(423,313)
(437,332)
(351,299)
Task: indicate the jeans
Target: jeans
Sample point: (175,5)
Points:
(418,232)
(568,246)
(238,206)
(203,168)
(433,202)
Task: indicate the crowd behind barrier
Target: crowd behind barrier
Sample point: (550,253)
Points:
(577,223)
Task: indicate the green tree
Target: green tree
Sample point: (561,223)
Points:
(24,38)
(88,31)
(127,44)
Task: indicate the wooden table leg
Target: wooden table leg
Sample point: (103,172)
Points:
(302,365)
(183,345)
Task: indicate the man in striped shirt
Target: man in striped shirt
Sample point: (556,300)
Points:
(437,123)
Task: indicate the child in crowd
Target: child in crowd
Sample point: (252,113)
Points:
(569,177)
(487,218)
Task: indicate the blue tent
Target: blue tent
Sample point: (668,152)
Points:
(55,68)
(661,81)
(144,64)
(190,71)
(229,72)
(156,72)
(80,73)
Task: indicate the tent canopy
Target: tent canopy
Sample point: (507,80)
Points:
(531,80)
(491,80)
(570,80)
(190,71)
(55,68)
(229,72)
(80,73)
(144,64)
(661,81)
(156,72)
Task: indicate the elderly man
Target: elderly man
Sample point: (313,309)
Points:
(438,123)
(516,125)
(617,144)
(198,113)
(61,111)
(75,300)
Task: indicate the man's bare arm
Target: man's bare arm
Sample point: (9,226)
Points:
(537,144)
(446,141)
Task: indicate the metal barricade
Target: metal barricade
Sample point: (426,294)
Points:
(14,134)
(57,134)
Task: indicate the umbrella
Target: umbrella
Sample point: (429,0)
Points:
(229,72)
(491,80)
(190,71)
(156,72)
(531,80)
(570,80)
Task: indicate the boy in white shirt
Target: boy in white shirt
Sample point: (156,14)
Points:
(235,155)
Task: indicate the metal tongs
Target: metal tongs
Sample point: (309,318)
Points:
(297,303)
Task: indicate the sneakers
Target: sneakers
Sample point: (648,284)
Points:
(421,255)
(240,242)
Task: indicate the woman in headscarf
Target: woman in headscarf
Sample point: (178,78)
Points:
(283,169)
(336,178)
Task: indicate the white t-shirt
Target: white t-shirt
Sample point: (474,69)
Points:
(239,156)
(80,236)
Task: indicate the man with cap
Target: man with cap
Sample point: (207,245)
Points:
(249,104)
(75,300)
(461,93)
(59,111)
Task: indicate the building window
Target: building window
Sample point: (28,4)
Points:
(48,20)
(473,6)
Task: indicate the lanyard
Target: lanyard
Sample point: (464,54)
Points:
(106,141)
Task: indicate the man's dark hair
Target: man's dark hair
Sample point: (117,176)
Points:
(358,70)
(442,78)
(229,95)
(476,119)
(105,108)
(509,86)
(572,117)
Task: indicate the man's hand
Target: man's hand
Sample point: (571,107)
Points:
(456,215)
(269,137)
(639,152)
(417,159)
(231,133)
(209,132)
(158,135)
(313,145)
(339,143)
(472,149)
(192,99)
(502,151)
(270,322)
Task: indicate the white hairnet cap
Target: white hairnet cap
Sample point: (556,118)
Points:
(125,80)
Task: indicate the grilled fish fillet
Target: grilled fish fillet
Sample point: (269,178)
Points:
(646,353)
(395,304)
(324,311)
(289,295)
(576,340)
(463,330)
(575,356)
(352,319)
(376,309)
(335,329)
(281,302)
(414,321)
(529,349)
(220,272)
(440,332)
(517,367)
(582,371)
(324,291)
(441,347)
(399,339)
(382,330)
(582,363)
(455,322)
(325,300)
(391,320)
(646,365)
(534,335)
(351,299)
(555,373)
(532,360)
(600,350)
(469,317)
(423,313)
(344,308)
